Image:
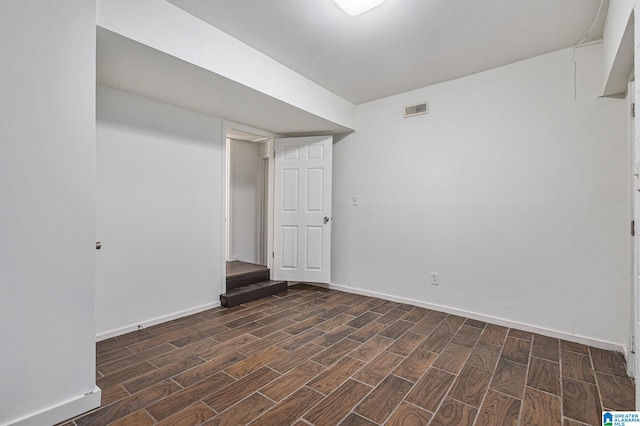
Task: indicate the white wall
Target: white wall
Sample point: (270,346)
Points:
(245,168)
(511,189)
(47,193)
(160,177)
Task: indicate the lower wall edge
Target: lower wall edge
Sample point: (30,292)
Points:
(601,344)
(148,323)
(61,412)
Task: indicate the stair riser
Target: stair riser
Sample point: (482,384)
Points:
(243,280)
(238,299)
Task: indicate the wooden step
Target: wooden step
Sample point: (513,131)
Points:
(240,274)
(251,292)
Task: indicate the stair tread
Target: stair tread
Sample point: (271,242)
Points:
(240,274)
(237,269)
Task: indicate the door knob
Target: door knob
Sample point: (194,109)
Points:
(326,220)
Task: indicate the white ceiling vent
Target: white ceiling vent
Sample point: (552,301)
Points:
(412,110)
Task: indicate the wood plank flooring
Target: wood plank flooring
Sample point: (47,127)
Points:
(312,356)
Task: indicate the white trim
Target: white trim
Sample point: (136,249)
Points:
(263,216)
(228,211)
(270,204)
(601,344)
(226,124)
(62,411)
(154,321)
(224,240)
(632,362)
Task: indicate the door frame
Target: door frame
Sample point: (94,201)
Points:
(633,211)
(633,363)
(226,125)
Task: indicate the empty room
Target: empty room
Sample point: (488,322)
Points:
(319,212)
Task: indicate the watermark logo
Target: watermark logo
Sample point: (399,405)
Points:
(621,418)
(607,419)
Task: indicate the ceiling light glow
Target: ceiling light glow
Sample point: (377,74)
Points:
(356,7)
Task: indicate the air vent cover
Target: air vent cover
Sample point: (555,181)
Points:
(413,110)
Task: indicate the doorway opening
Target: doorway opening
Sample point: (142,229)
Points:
(268,247)
(247,204)
(249,174)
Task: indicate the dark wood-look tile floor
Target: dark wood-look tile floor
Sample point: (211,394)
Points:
(312,356)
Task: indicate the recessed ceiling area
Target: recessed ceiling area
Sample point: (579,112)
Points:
(401,45)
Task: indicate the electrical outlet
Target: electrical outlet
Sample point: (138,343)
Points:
(435,278)
(354,201)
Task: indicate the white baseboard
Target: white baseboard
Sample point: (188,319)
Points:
(148,323)
(61,412)
(601,344)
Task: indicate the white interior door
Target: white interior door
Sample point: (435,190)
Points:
(302,209)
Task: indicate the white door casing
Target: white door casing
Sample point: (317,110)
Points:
(302,209)
(635,300)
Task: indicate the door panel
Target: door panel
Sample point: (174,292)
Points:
(302,216)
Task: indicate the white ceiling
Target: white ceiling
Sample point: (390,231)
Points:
(402,44)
